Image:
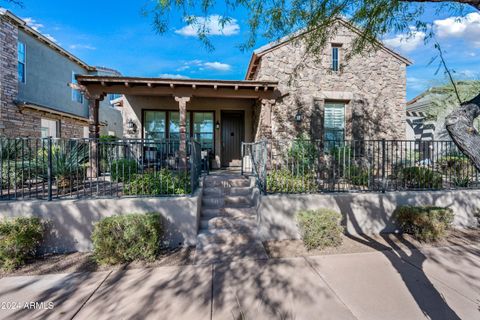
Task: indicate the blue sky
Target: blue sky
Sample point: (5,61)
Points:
(116,34)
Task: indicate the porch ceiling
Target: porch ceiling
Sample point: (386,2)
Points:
(100,85)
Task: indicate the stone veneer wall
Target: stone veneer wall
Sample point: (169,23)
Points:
(8,73)
(373,86)
(13,121)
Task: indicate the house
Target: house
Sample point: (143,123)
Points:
(36,100)
(286,94)
(426,113)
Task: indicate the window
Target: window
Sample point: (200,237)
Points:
(76,94)
(335,58)
(22,58)
(159,125)
(155,125)
(86,132)
(174,125)
(203,127)
(49,128)
(334,124)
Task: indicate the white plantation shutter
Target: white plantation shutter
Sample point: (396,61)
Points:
(334,123)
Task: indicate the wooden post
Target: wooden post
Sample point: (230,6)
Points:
(182,105)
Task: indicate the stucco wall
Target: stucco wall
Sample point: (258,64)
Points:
(113,120)
(372,85)
(133,106)
(70,222)
(368,213)
(47,76)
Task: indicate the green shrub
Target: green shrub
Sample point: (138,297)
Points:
(13,175)
(320,228)
(420,177)
(458,168)
(123,169)
(124,238)
(303,153)
(284,181)
(19,239)
(162,182)
(357,175)
(424,223)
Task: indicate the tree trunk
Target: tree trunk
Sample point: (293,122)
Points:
(459,125)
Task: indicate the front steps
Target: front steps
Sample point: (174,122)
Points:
(228,227)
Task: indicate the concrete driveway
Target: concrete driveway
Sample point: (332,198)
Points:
(435,283)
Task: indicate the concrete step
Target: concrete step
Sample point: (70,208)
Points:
(226,202)
(229,212)
(210,213)
(231,191)
(238,201)
(218,181)
(240,224)
(213,202)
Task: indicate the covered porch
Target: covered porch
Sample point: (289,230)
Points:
(219,114)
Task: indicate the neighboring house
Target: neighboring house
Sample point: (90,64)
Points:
(286,94)
(36,100)
(426,113)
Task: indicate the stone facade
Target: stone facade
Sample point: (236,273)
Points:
(8,75)
(372,86)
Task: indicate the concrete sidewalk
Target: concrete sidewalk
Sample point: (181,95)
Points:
(436,283)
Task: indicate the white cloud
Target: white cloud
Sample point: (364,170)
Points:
(217,66)
(406,42)
(172,76)
(82,46)
(211,25)
(32,23)
(467,27)
(468,74)
(201,65)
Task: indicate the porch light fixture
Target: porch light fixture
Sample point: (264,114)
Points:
(217,125)
(131,126)
(298,117)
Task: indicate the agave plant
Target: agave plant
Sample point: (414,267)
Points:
(68,162)
(14,160)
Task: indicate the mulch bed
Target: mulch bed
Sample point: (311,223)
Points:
(84,262)
(364,243)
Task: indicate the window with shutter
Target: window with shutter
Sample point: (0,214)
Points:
(334,124)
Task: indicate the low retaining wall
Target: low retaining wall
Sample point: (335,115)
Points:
(367,213)
(71,221)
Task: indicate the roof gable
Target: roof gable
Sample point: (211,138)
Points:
(258,53)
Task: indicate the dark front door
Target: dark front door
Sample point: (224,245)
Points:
(232,137)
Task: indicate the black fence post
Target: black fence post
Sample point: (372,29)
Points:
(193,172)
(383,164)
(49,168)
(241,154)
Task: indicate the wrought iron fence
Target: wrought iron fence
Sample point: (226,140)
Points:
(305,166)
(34,168)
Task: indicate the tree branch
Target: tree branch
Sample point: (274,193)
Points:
(473,3)
(460,126)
